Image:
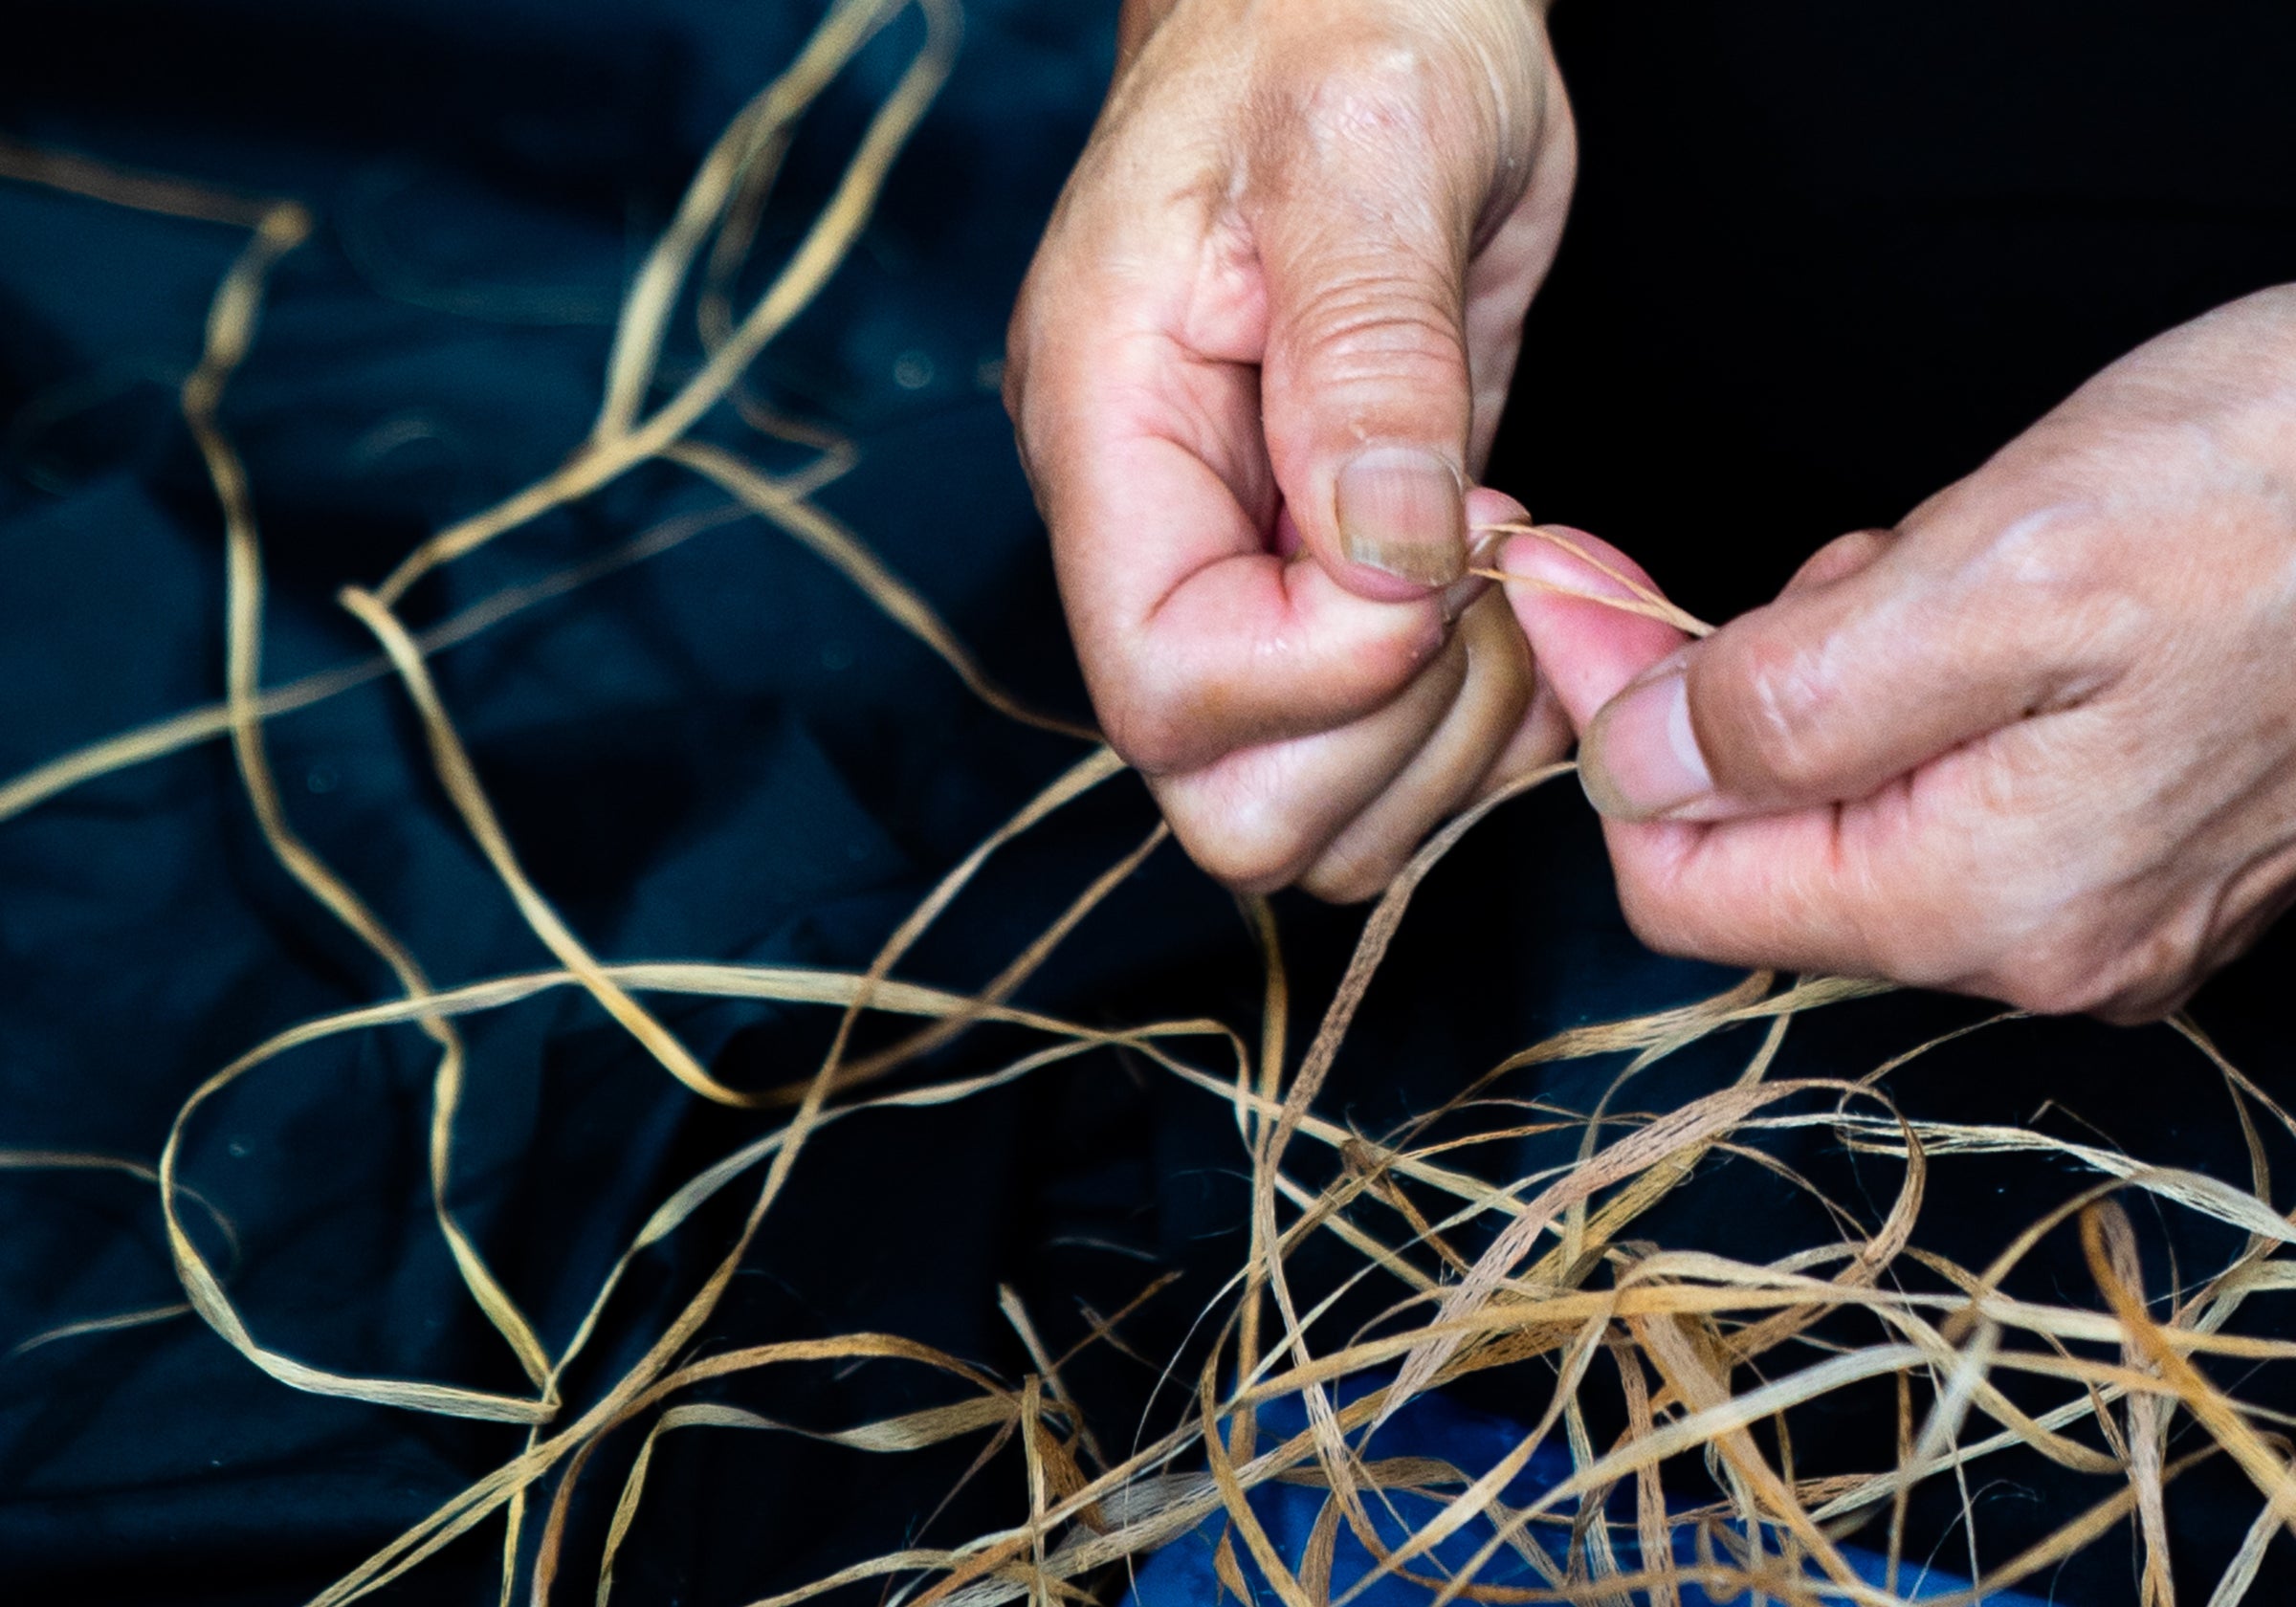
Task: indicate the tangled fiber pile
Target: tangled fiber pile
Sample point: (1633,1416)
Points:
(1675,1381)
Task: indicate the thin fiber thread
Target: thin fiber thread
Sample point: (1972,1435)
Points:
(1695,1341)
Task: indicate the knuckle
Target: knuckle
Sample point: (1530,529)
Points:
(1919,947)
(1149,714)
(1337,879)
(2046,985)
(1149,736)
(1174,698)
(1162,727)
(1770,733)
(2026,777)
(1390,95)
(1839,558)
(1362,93)
(1245,842)
(1659,920)
(2046,576)
(2158,969)
(2124,981)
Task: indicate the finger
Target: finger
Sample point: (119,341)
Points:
(1952,876)
(1837,561)
(1488,513)
(1258,818)
(1447,770)
(1364,224)
(1764,891)
(1834,689)
(1544,733)
(1150,469)
(1740,892)
(1540,739)
(1585,650)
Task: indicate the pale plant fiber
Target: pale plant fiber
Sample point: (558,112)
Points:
(1698,1343)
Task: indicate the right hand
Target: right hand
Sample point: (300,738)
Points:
(1256,369)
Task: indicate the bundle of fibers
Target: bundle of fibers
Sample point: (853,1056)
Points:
(1664,1417)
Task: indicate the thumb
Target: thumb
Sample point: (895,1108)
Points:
(1821,696)
(1366,393)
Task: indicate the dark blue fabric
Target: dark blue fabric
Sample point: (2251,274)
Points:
(725,753)
(1183,1572)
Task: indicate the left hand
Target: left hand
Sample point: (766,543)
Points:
(1254,373)
(2038,743)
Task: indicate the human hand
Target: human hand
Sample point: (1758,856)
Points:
(1257,362)
(2038,743)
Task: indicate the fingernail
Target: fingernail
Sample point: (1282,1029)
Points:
(1401,510)
(1462,595)
(1639,758)
(1483,548)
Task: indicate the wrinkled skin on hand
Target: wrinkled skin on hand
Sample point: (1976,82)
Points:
(1254,371)
(2037,744)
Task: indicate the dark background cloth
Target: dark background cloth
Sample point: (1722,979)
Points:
(1824,260)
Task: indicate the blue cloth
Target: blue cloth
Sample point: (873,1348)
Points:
(1182,1573)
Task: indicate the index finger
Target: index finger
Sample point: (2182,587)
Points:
(1950,876)
(1151,468)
